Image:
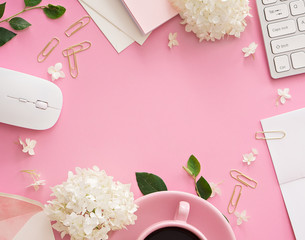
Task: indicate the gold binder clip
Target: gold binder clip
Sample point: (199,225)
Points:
(46,51)
(242,178)
(234,200)
(85,45)
(78,25)
(277,135)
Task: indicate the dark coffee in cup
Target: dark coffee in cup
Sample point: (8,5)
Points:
(172,233)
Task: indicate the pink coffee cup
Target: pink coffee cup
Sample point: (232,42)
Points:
(179,221)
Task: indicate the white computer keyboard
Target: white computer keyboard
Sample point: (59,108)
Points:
(283,27)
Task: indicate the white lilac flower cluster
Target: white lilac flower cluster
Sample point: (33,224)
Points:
(213,19)
(90,204)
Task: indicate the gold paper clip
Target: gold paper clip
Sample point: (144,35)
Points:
(44,53)
(77,48)
(237,175)
(232,205)
(78,25)
(71,51)
(278,135)
(73,65)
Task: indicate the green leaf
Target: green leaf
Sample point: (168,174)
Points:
(54,12)
(19,23)
(31,3)
(193,165)
(5,36)
(2,8)
(149,183)
(203,188)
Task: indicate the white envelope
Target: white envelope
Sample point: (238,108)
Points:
(115,12)
(23,219)
(115,36)
(288,156)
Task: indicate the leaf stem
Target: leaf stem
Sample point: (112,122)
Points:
(24,10)
(196,186)
(194,177)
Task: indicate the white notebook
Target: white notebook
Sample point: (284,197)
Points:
(288,156)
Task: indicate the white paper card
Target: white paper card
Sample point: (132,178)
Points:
(150,14)
(115,12)
(288,156)
(42,230)
(115,36)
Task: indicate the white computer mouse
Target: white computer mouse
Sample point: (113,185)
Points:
(28,101)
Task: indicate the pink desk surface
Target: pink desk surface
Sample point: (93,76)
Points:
(148,109)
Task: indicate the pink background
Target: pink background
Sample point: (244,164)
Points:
(148,109)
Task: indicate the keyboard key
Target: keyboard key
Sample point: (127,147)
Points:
(297,7)
(281,28)
(298,60)
(281,63)
(288,44)
(269,1)
(301,23)
(276,12)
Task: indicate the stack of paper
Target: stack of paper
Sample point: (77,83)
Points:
(114,21)
(288,156)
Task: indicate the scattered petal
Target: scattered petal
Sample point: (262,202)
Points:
(55,71)
(51,70)
(58,66)
(254,151)
(37,182)
(248,158)
(241,217)
(28,146)
(215,189)
(250,50)
(283,95)
(172,37)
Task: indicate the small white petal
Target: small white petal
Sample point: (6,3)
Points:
(31,152)
(21,142)
(280,92)
(58,67)
(51,70)
(62,74)
(56,72)
(239,221)
(254,150)
(56,75)
(25,149)
(32,143)
(172,40)
(283,100)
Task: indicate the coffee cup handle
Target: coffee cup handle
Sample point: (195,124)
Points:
(182,211)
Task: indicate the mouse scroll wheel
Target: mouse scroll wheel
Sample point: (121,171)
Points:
(41,104)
